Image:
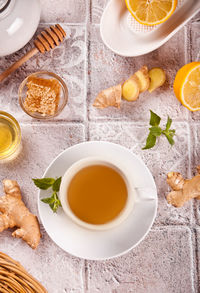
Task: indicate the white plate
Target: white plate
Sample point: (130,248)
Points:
(118,36)
(99,245)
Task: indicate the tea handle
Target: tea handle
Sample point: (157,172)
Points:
(145,193)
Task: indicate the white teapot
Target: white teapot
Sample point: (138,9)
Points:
(19,20)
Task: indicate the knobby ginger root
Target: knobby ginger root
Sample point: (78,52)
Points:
(109,97)
(157,78)
(139,82)
(183,189)
(14,213)
(143,78)
(131,89)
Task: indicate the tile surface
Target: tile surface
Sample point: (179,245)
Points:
(133,137)
(154,266)
(195,52)
(67,60)
(198,254)
(97,10)
(41,144)
(168,259)
(105,63)
(195,131)
(64,11)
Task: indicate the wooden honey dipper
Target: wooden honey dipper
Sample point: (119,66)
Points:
(47,40)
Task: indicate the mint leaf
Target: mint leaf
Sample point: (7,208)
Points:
(150,142)
(53,207)
(169,135)
(48,200)
(155,119)
(170,139)
(155,130)
(44,183)
(56,185)
(52,201)
(169,123)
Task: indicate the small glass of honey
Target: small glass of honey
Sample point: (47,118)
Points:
(10,136)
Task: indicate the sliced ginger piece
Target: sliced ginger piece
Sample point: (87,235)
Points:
(183,189)
(14,213)
(143,78)
(109,97)
(131,89)
(157,78)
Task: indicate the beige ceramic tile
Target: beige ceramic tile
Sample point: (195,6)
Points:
(40,145)
(165,261)
(195,41)
(160,160)
(68,61)
(195,54)
(198,255)
(161,263)
(195,148)
(97,10)
(108,69)
(55,269)
(58,271)
(72,11)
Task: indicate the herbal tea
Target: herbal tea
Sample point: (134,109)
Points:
(97,194)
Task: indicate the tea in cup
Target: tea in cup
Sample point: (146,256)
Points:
(96,193)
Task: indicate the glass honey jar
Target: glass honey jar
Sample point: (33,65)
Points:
(10,136)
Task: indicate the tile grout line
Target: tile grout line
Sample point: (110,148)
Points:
(52,123)
(86,120)
(87,81)
(136,123)
(195,259)
(86,273)
(195,217)
(63,121)
(190,164)
(187,52)
(66,23)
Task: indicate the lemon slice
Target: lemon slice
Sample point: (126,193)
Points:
(187,86)
(151,12)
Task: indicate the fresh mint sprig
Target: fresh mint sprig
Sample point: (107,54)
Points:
(156,131)
(44,184)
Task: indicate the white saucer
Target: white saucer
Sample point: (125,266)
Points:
(99,245)
(118,36)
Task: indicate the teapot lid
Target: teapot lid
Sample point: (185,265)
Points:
(4,4)
(19,20)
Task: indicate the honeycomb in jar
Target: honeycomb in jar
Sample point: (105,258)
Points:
(42,96)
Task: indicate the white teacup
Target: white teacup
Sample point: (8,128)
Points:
(90,161)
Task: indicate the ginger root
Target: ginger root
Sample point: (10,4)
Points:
(14,213)
(143,78)
(131,89)
(109,97)
(183,189)
(157,78)
(137,83)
